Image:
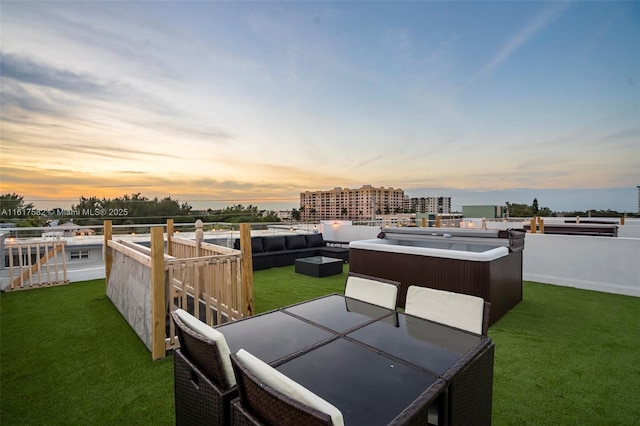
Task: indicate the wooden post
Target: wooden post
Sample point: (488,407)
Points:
(199,237)
(247,269)
(541,225)
(199,270)
(108,252)
(424,222)
(169,235)
(533,225)
(622,220)
(437,221)
(158,314)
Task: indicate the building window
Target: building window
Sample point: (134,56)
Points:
(25,260)
(79,254)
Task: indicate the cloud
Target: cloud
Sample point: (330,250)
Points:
(36,185)
(23,69)
(541,21)
(16,99)
(38,98)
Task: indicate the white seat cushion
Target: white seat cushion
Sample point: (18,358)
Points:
(212,334)
(458,310)
(372,291)
(289,387)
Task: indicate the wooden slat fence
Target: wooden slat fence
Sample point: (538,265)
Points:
(204,279)
(36,264)
(214,281)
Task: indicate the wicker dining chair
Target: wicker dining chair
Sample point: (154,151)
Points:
(374,290)
(203,389)
(464,311)
(260,404)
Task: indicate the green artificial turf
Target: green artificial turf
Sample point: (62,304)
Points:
(563,356)
(68,357)
(277,287)
(567,357)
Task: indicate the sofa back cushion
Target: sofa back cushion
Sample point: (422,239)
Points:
(315,240)
(256,245)
(295,242)
(273,243)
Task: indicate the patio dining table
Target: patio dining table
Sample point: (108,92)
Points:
(378,366)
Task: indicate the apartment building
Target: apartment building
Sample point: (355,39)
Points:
(350,204)
(427,204)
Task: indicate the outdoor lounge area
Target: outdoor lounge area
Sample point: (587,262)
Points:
(562,355)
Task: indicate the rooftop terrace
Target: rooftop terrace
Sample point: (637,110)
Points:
(563,356)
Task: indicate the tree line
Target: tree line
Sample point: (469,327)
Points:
(526,210)
(125,210)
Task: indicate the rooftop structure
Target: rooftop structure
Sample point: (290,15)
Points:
(488,211)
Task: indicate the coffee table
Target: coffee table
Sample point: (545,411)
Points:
(319,266)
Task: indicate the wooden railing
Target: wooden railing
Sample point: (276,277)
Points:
(36,264)
(146,284)
(182,248)
(215,282)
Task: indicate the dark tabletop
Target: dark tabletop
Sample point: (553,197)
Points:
(338,313)
(319,260)
(368,388)
(272,336)
(429,345)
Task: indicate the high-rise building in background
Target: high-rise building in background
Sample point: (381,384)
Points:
(350,204)
(427,204)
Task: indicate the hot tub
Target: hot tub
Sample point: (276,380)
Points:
(482,263)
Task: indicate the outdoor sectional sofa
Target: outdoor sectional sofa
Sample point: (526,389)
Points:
(283,250)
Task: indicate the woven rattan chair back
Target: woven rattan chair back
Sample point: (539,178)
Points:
(485,318)
(202,352)
(270,406)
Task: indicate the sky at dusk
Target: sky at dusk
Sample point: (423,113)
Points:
(220,103)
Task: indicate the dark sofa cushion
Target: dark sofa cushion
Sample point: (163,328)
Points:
(256,245)
(314,240)
(273,243)
(284,258)
(335,252)
(295,242)
(308,252)
(261,261)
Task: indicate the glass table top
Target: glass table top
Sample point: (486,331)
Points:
(368,388)
(429,345)
(272,336)
(320,260)
(338,313)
